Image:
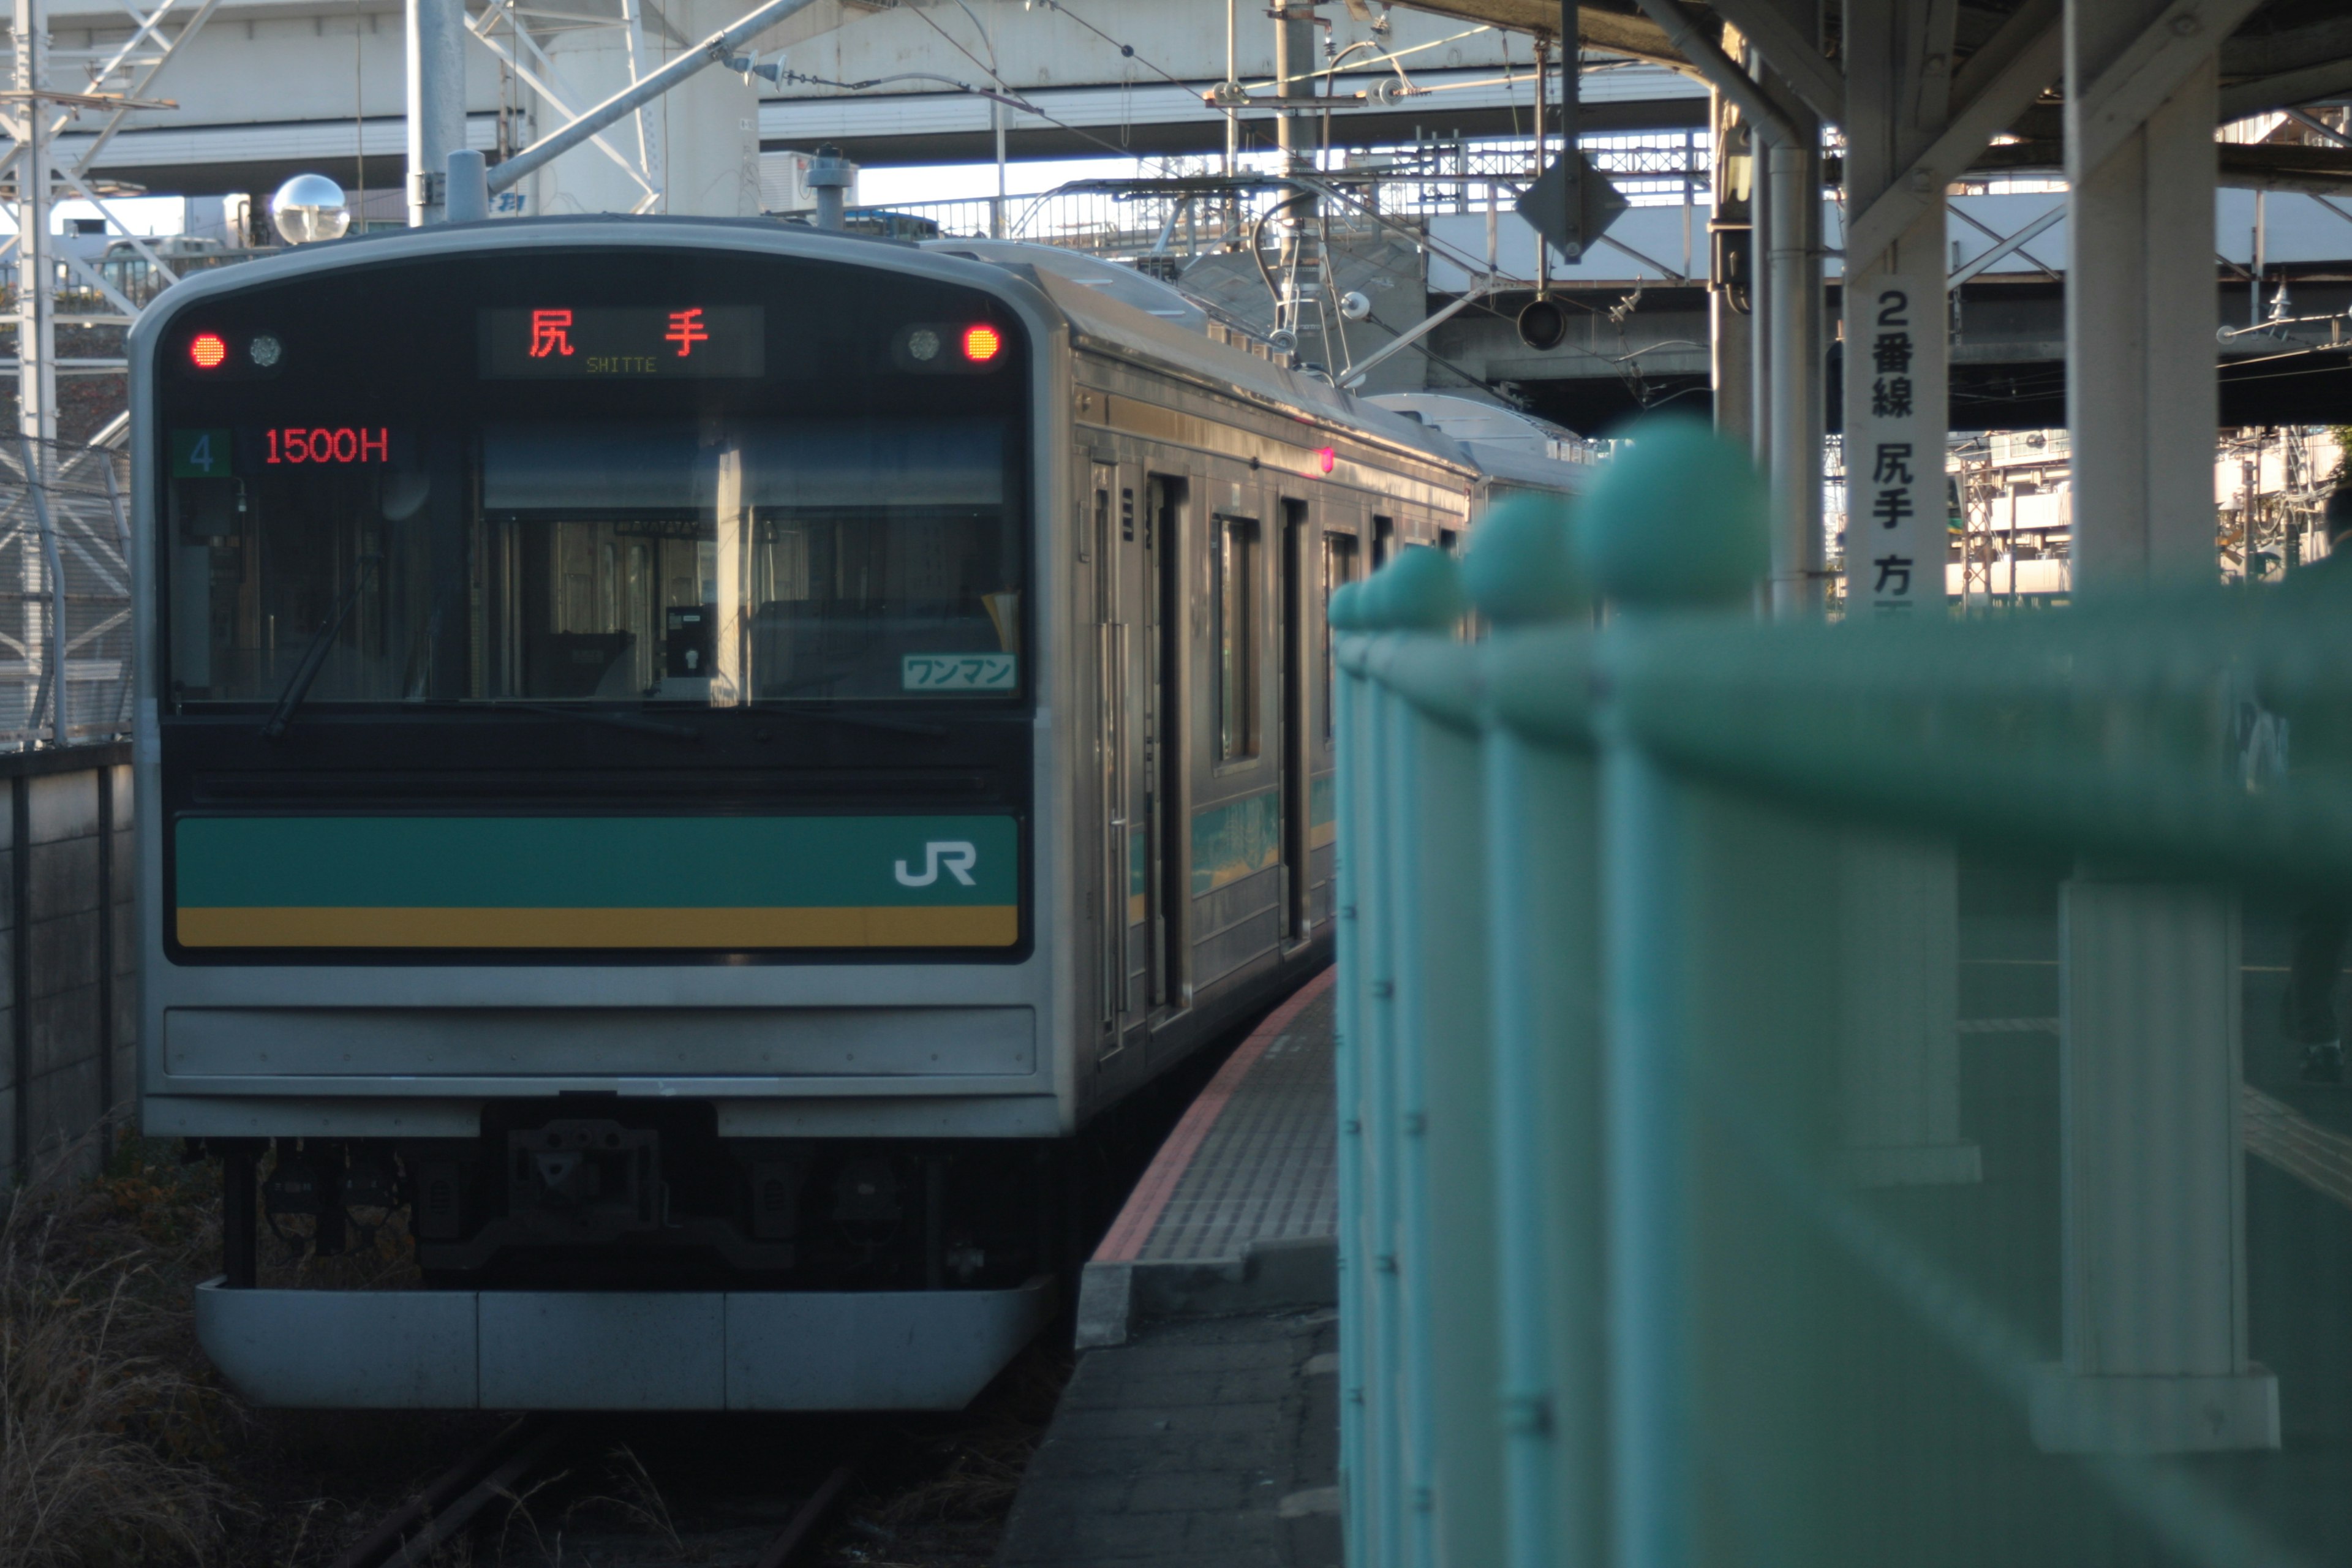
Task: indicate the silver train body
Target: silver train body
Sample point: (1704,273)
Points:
(691,763)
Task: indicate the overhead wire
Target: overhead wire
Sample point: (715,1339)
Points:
(1020,103)
(1128,52)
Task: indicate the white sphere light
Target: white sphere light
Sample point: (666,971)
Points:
(309,208)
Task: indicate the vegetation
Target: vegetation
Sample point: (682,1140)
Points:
(119,1448)
(110,1435)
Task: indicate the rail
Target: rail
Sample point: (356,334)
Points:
(1795,1080)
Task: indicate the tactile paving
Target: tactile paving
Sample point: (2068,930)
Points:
(1265,1171)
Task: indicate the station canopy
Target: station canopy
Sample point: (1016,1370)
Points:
(2288,54)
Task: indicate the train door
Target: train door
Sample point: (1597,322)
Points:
(1342,564)
(1163,851)
(1099,549)
(1292,604)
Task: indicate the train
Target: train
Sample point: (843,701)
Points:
(685,765)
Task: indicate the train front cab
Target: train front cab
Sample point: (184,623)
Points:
(597,711)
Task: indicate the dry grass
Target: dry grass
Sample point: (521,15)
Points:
(118,1446)
(939,1494)
(108,1432)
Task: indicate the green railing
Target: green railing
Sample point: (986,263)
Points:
(1795,1081)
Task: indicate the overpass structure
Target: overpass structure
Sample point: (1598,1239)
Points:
(1435,112)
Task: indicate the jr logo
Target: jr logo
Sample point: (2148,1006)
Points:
(956,855)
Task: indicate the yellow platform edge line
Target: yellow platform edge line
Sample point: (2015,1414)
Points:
(990,925)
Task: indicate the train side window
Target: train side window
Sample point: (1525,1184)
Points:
(1449,540)
(1338,570)
(1384,541)
(1236,596)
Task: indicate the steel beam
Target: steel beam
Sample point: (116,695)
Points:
(36,280)
(1720,73)
(2180,41)
(2025,57)
(1793,58)
(2308,85)
(720,47)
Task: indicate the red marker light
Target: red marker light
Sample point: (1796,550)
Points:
(1328,458)
(210,351)
(983,343)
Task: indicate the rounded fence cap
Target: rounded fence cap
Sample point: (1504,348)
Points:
(1419,589)
(1521,569)
(1679,517)
(1346,604)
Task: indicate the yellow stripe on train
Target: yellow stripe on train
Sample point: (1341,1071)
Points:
(989,925)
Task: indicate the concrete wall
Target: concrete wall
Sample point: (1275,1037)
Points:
(69,949)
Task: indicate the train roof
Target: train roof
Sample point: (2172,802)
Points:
(1112,315)
(1515,448)
(1110,309)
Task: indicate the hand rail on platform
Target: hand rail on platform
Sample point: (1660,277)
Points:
(1656,1204)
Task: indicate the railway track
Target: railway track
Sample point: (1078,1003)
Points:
(503,1478)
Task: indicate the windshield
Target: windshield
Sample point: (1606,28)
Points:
(776,501)
(864,558)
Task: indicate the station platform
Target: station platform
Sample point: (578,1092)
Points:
(1239,1209)
(1202,1425)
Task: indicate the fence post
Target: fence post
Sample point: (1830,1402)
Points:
(1378,1501)
(1348,1056)
(1443,1131)
(1542,955)
(1393,1410)
(1678,523)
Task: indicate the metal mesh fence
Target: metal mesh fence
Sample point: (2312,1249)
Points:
(1182,215)
(65,595)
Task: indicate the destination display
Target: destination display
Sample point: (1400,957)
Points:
(567,342)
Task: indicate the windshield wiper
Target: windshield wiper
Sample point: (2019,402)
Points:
(314,656)
(607,717)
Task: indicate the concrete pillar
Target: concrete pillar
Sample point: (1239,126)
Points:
(1900,1076)
(2142,401)
(697,145)
(1897,332)
(437,101)
(589,65)
(2154,1281)
(2153,1249)
(710,127)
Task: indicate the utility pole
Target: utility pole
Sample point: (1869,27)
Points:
(36,279)
(1294,59)
(436,103)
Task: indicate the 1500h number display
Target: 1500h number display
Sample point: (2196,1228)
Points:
(322,443)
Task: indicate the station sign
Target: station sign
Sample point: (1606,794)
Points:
(1897,516)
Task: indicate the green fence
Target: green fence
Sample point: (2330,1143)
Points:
(1798,1082)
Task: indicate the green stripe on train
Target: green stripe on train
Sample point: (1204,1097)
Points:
(595,862)
(1231,840)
